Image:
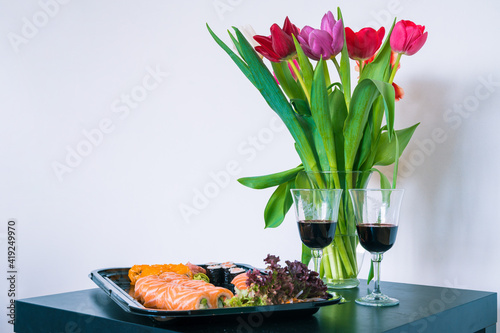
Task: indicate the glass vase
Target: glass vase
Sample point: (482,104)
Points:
(341,260)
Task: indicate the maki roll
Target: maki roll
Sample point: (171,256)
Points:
(229,275)
(235,271)
(226,267)
(214,273)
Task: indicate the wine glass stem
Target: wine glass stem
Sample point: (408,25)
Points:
(376,259)
(317,259)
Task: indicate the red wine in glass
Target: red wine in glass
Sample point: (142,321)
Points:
(317,234)
(377,237)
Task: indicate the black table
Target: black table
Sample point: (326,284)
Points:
(421,309)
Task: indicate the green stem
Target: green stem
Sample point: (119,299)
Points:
(327,254)
(396,163)
(345,257)
(336,63)
(339,274)
(301,80)
(395,68)
(346,83)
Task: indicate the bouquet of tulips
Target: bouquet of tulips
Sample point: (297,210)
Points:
(335,127)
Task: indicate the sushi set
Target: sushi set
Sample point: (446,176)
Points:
(164,292)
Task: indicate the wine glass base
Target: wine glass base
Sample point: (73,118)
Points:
(378,300)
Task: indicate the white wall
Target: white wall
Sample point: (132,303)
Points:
(120,204)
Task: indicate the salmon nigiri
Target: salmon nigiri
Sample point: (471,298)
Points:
(240,281)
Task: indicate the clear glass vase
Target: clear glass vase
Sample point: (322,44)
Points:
(342,259)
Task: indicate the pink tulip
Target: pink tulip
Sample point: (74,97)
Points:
(407,37)
(324,43)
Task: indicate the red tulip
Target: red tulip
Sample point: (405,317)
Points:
(279,46)
(407,37)
(362,45)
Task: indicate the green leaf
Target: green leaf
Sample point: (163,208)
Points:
(386,90)
(378,115)
(240,63)
(278,205)
(380,68)
(320,147)
(396,164)
(311,132)
(386,150)
(291,88)
(363,97)
(271,180)
(338,113)
(235,42)
(345,68)
(305,65)
(266,84)
(320,111)
(301,107)
(365,146)
(302,159)
(335,84)
(384,182)
(371,273)
(306,255)
(302,180)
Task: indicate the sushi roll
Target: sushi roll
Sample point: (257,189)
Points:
(233,272)
(226,267)
(214,273)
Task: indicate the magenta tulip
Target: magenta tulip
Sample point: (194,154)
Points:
(363,44)
(407,37)
(324,43)
(279,46)
(335,29)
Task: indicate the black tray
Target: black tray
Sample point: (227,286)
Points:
(116,284)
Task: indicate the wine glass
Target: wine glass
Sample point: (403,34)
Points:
(316,211)
(377,216)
